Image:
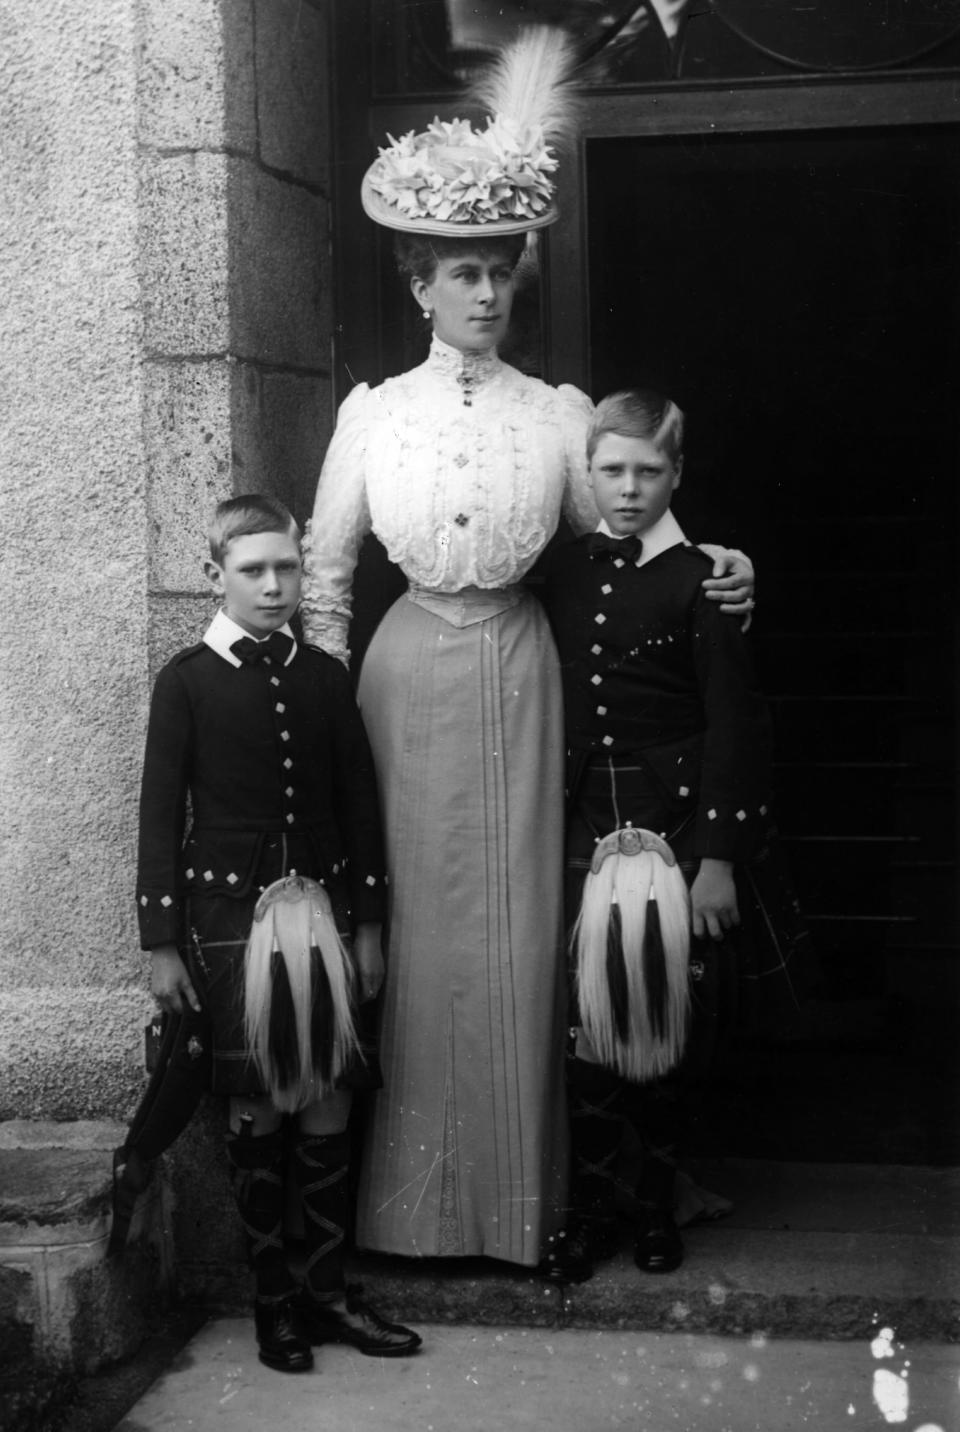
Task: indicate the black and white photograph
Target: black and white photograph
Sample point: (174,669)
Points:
(479,757)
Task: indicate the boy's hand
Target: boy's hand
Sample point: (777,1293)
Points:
(170,982)
(368,958)
(732,582)
(713,899)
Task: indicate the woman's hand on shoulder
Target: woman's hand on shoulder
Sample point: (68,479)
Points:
(732,581)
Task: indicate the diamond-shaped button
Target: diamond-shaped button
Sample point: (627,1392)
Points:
(741,815)
(371,880)
(596,680)
(165,901)
(144,900)
(711,815)
(232,879)
(280,708)
(284,735)
(608,740)
(601,710)
(606,589)
(596,648)
(289,791)
(288,764)
(599,619)
(290,819)
(208,875)
(274,681)
(189,873)
(683,791)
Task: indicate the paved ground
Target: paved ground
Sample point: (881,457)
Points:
(491,1379)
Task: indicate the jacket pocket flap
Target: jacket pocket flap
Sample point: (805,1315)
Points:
(222,862)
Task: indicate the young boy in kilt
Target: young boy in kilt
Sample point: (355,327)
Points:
(263,920)
(668,767)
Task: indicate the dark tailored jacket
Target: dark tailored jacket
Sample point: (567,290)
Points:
(260,751)
(652,669)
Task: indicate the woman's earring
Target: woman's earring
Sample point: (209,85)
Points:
(427,314)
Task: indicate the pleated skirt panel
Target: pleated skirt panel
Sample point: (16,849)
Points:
(465,1148)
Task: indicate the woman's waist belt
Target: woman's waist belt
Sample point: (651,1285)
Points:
(467,606)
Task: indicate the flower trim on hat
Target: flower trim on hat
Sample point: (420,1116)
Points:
(453,173)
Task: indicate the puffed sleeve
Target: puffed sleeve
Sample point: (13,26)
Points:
(579,507)
(340,521)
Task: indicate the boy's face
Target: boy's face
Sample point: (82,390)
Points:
(633,481)
(258,580)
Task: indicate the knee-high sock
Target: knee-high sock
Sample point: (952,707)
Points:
(257,1161)
(321,1165)
(596,1125)
(656,1116)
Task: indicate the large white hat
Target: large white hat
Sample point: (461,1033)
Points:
(463,181)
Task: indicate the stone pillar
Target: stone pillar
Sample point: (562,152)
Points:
(234,132)
(74,575)
(164,262)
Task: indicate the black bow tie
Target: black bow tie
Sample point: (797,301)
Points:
(276,649)
(600,545)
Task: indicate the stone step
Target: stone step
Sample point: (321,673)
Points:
(808,1250)
(65,1311)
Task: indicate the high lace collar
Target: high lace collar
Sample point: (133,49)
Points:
(471,370)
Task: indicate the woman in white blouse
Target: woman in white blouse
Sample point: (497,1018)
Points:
(461,467)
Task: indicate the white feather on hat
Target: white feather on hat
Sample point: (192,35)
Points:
(457,180)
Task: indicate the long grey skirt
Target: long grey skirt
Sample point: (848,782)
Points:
(466,1145)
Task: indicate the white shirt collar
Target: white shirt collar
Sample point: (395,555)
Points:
(665,533)
(223,631)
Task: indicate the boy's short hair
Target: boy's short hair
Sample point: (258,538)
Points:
(639,413)
(245,516)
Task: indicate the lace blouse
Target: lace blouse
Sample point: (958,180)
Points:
(460,467)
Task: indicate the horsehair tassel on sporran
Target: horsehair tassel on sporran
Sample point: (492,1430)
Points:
(298,985)
(632,944)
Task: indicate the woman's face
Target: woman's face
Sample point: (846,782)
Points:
(469,298)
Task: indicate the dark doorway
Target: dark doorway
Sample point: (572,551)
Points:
(798,295)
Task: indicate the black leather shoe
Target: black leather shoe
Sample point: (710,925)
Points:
(583,1244)
(658,1247)
(357,1324)
(281,1337)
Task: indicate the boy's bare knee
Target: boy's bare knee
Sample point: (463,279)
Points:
(326,1116)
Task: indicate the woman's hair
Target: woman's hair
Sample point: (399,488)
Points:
(639,413)
(417,255)
(246,516)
